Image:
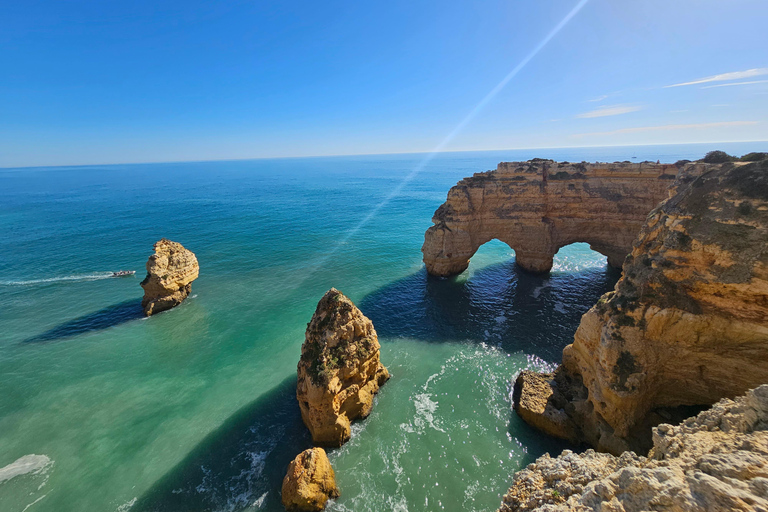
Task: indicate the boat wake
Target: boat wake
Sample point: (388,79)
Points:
(95,276)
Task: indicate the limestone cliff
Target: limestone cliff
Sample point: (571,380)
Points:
(310,482)
(716,461)
(687,323)
(339,371)
(170,272)
(539,206)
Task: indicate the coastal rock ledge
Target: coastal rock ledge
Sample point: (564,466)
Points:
(339,371)
(310,482)
(170,272)
(716,461)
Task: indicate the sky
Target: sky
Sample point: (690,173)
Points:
(94,82)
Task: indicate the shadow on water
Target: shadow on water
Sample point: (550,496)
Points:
(500,305)
(240,463)
(110,316)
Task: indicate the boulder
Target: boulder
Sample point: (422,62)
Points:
(310,482)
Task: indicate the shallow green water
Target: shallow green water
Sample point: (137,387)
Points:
(194,409)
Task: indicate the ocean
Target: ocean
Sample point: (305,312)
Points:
(194,409)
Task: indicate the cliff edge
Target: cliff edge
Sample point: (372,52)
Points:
(716,461)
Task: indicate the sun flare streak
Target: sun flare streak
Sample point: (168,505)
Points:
(440,147)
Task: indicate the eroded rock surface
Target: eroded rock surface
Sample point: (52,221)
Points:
(339,371)
(716,461)
(688,322)
(539,206)
(170,272)
(310,482)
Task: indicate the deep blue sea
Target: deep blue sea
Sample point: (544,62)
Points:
(194,409)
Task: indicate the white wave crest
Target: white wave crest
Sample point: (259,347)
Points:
(28,464)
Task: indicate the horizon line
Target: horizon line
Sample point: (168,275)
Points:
(370,154)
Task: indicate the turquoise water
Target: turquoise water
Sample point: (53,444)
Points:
(194,409)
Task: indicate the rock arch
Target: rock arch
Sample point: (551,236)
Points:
(539,206)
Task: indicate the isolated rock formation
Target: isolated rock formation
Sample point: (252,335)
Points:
(714,462)
(170,272)
(339,371)
(687,323)
(539,206)
(310,482)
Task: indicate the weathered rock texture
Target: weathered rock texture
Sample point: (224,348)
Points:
(714,462)
(339,371)
(170,272)
(310,482)
(687,323)
(539,206)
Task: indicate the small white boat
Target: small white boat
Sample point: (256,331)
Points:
(123,273)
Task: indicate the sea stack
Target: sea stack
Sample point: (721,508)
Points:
(310,482)
(170,272)
(339,372)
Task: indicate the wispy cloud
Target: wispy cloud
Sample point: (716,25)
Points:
(599,98)
(736,83)
(724,77)
(614,110)
(668,127)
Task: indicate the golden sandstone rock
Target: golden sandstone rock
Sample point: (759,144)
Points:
(539,206)
(339,372)
(310,482)
(170,272)
(714,462)
(687,323)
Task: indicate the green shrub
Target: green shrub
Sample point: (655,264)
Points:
(718,157)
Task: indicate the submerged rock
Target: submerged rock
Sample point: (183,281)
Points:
(716,461)
(339,372)
(170,272)
(687,323)
(310,482)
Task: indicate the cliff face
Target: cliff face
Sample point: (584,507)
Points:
(539,206)
(170,272)
(687,323)
(716,461)
(339,371)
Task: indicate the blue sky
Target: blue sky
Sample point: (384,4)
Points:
(85,82)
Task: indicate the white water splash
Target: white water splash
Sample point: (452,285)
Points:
(28,464)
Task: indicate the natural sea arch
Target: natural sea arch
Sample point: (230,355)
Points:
(540,206)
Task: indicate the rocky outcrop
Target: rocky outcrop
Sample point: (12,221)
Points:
(310,482)
(687,323)
(170,272)
(539,206)
(339,371)
(716,461)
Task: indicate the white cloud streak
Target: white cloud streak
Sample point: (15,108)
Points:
(736,83)
(599,98)
(668,127)
(724,77)
(614,110)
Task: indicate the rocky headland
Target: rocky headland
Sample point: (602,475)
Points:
(714,462)
(686,325)
(170,272)
(310,482)
(539,206)
(339,371)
